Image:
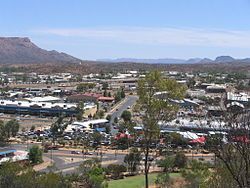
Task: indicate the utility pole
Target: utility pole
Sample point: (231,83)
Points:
(51,155)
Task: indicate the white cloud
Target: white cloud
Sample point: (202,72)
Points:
(158,36)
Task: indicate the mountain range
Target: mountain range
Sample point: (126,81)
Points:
(17,50)
(20,50)
(219,59)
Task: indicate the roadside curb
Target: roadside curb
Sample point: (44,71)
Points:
(47,162)
(116,106)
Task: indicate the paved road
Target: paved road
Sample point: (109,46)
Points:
(70,166)
(128,101)
(62,158)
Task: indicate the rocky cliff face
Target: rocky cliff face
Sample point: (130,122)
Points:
(16,50)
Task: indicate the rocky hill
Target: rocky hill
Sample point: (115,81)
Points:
(16,50)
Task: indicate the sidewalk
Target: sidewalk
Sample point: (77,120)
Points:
(116,106)
(46,162)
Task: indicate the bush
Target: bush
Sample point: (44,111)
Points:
(180,160)
(132,160)
(35,155)
(163,180)
(115,170)
(33,127)
(126,116)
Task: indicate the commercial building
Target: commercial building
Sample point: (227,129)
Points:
(37,108)
(216,89)
(44,99)
(89,97)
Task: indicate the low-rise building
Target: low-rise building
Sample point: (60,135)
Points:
(37,108)
(242,98)
(12,155)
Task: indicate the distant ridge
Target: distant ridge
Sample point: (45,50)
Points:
(219,59)
(224,59)
(17,50)
(149,61)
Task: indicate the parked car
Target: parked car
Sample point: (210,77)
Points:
(67,138)
(75,152)
(88,153)
(52,147)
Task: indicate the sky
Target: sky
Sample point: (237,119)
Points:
(100,29)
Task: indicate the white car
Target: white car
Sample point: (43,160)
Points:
(67,138)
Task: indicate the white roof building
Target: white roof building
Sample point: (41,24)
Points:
(239,97)
(44,99)
(40,104)
(85,125)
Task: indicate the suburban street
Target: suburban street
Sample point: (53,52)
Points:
(129,101)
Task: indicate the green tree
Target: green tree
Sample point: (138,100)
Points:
(80,109)
(167,164)
(123,95)
(126,116)
(32,128)
(79,78)
(156,108)
(57,128)
(115,170)
(6,80)
(132,160)
(122,143)
(108,117)
(105,94)
(14,175)
(180,160)
(91,174)
(197,175)
(35,155)
(3,134)
(82,87)
(221,177)
(163,180)
(191,83)
(97,137)
(177,140)
(118,96)
(12,128)
(8,173)
(234,153)
(53,180)
(99,114)
(105,86)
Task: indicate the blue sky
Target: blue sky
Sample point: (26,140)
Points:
(95,29)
